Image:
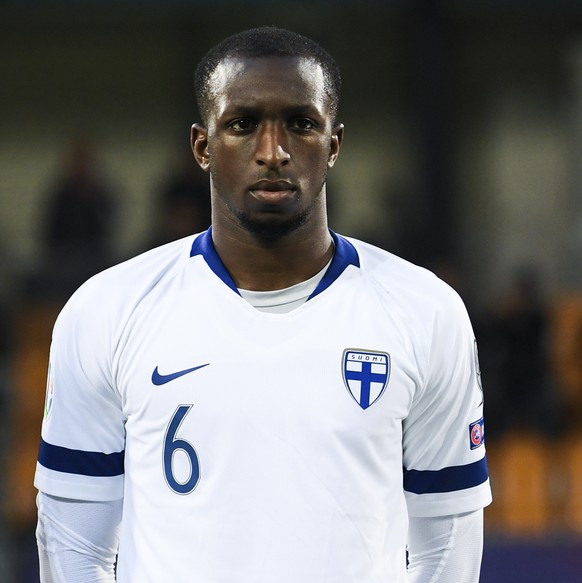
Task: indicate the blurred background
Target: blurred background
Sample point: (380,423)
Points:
(463,153)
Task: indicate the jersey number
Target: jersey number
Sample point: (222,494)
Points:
(174,445)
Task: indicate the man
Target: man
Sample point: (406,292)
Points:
(266,401)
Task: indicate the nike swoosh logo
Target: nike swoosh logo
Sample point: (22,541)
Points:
(161,379)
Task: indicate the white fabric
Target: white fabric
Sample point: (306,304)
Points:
(446,549)
(264,460)
(83,543)
(77,540)
(283,300)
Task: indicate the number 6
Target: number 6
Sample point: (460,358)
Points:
(171,446)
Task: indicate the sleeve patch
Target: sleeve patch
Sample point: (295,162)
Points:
(476,434)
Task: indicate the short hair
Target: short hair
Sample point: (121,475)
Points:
(266,41)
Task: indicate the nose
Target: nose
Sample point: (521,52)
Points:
(272,150)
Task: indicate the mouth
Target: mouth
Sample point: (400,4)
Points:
(273,191)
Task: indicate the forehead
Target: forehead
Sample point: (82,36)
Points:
(296,81)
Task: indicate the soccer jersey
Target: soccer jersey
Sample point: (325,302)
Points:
(257,447)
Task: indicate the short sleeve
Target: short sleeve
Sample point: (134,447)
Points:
(445,468)
(81,453)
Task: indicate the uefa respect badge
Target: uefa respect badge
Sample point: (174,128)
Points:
(476,434)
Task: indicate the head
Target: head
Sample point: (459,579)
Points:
(267,41)
(269,100)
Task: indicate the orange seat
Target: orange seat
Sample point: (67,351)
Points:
(572,460)
(28,366)
(521,476)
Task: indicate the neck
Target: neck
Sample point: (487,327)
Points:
(259,265)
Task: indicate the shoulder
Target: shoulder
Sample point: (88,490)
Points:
(412,286)
(110,296)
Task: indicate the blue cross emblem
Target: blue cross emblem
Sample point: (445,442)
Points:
(366,375)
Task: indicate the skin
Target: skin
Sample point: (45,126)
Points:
(269,142)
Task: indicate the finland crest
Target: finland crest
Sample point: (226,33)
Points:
(366,374)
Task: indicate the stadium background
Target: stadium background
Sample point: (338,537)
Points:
(463,153)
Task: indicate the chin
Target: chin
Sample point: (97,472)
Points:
(272,228)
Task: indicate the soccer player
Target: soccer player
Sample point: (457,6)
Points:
(266,401)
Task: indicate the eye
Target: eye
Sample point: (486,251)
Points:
(303,124)
(242,125)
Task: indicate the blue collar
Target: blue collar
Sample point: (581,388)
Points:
(345,254)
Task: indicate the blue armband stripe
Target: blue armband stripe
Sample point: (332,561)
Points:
(85,463)
(446,480)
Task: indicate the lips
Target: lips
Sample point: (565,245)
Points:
(272,191)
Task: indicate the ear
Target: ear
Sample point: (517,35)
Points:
(337,136)
(199,144)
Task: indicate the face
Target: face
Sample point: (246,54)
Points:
(268,145)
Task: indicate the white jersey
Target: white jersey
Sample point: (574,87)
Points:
(257,447)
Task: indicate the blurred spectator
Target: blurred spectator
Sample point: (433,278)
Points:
(80,220)
(183,203)
(519,333)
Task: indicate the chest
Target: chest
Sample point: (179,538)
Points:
(347,353)
(335,376)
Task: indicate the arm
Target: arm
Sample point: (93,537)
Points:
(77,539)
(446,548)
(445,467)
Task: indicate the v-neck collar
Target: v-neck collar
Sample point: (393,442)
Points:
(345,254)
